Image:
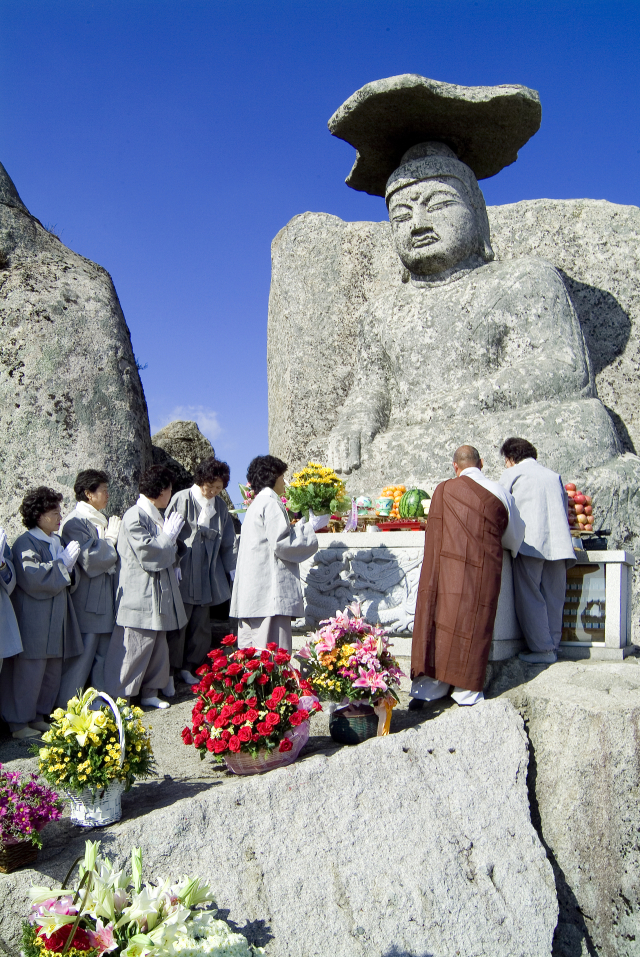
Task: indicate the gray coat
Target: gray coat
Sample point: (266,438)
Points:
(268,574)
(94,598)
(211,552)
(148,593)
(42,601)
(10,641)
(542,503)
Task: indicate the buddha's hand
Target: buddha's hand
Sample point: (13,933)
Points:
(344,450)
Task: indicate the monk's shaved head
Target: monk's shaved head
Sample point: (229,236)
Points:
(467,457)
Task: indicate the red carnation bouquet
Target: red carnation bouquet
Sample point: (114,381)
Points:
(249,702)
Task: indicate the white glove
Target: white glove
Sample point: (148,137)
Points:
(70,555)
(205,514)
(3,542)
(178,571)
(172,526)
(318,521)
(232,574)
(113,529)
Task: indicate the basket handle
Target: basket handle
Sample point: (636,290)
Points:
(119,725)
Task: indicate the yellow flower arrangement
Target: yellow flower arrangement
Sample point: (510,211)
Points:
(318,488)
(82,747)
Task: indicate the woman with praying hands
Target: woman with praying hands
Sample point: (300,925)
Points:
(94,597)
(45,576)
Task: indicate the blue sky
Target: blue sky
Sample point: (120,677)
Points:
(171,141)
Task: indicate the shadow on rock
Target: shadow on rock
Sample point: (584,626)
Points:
(395,952)
(257,932)
(150,795)
(571,937)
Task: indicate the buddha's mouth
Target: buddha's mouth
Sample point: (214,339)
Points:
(419,242)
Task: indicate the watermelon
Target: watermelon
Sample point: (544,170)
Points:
(411,503)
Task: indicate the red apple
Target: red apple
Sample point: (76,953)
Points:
(588,498)
(579,509)
(588,510)
(571,495)
(582,519)
(588,528)
(580,499)
(570,487)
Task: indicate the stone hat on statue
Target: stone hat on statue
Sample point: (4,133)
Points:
(406,124)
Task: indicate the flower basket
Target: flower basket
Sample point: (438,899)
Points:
(253,708)
(348,661)
(95,755)
(96,808)
(351,728)
(267,761)
(15,854)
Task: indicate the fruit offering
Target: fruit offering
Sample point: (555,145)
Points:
(579,509)
(411,503)
(395,492)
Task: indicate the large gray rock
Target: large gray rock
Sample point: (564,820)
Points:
(583,722)
(415,844)
(70,393)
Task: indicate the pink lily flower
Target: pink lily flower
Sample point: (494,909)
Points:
(370,679)
(103,938)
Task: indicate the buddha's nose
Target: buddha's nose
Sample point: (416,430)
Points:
(421,220)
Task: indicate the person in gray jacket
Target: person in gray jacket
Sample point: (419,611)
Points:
(94,597)
(10,641)
(266,590)
(540,567)
(148,597)
(30,680)
(207,566)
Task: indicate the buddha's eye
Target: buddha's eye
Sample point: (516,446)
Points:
(443,203)
(400,215)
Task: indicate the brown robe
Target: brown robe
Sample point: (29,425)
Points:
(459,584)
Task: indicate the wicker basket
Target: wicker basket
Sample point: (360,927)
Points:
(266,761)
(353,728)
(15,855)
(93,808)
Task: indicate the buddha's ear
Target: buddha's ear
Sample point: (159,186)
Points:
(406,275)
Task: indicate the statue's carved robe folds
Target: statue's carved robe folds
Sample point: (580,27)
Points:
(496,351)
(459,584)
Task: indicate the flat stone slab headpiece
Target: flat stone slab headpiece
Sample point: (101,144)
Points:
(484,126)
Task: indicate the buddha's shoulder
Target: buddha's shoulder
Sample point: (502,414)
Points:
(527,269)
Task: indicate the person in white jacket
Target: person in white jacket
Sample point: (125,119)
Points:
(540,567)
(266,591)
(97,567)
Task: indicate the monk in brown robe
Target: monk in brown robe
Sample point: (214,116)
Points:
(470,520)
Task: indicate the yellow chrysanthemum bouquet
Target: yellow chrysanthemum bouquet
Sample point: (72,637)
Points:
(83,746)
(317,488)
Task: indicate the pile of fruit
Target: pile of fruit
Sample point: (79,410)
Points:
(395,492)
(580,511)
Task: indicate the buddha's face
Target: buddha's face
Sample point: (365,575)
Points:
(434,227)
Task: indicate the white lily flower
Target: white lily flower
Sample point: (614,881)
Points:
(136,867)
(51,922)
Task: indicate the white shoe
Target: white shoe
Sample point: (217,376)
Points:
(24,734)
(461,696)
(189,678)
(169,689)
(540,658)
(40,725)
(154,703)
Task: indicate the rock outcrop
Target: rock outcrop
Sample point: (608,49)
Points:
(583,722)
(70,393)
(181,446)
(419,843)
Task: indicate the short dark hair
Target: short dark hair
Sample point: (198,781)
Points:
(36,502)
(210,470)
(518,449)
(155,480)
(89,480)
(264,471)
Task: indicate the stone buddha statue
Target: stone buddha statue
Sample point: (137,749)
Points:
(466,349)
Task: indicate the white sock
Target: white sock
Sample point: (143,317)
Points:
(154,702)
(188,677)
(169,689)
(460,696)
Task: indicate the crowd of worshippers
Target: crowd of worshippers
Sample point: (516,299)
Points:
(125,604)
